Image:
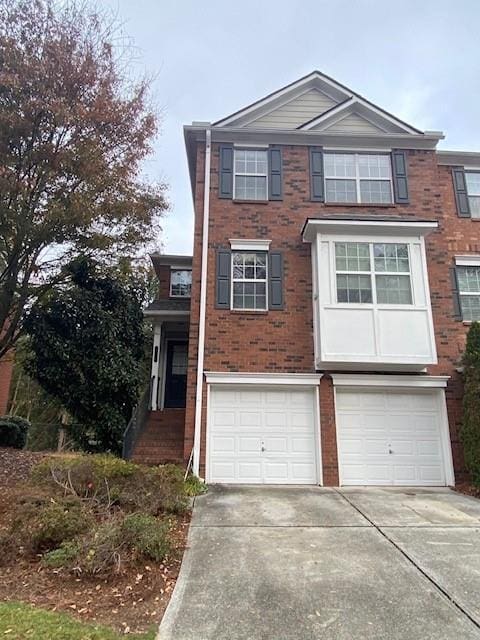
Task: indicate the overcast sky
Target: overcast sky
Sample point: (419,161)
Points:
(419,59)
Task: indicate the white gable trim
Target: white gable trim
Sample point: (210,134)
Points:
(291,92)
(349,107)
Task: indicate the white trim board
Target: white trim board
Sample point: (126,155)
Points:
(373,227)
(305,379)
(467,261)
(249,245)
(389,382)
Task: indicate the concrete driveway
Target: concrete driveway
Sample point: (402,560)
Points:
(277,563)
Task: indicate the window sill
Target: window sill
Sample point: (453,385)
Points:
(237,201)
(250,312)
(364,205)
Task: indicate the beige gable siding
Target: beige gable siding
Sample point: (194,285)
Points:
(352,123)
(296,112)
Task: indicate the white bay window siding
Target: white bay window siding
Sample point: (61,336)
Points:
(371,302)
(355,177)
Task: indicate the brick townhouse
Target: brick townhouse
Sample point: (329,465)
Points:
(316,335)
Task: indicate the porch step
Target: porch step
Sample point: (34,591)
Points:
(162,438)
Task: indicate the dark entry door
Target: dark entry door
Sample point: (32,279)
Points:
(176,374)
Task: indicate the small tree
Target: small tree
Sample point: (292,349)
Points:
(74,132)
(470,432)
(87,341)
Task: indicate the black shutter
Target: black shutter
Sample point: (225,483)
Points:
(316,174)
(457,305)
(275,280)
(275,190)
(400,178)
(222,288)
(225,171)
(461,195)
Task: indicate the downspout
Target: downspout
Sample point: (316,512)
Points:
(203,304)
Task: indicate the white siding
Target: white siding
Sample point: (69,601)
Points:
(296,112)
(352,123)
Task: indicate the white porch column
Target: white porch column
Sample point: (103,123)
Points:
(155,375)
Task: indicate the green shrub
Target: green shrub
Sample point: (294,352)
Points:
(194,486)
(470,430)
(43,523)
(114,482)
(147,536)
(43,436)
(64,556)
(13,431)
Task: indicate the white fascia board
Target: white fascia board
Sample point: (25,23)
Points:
(302,379)
(249,245)
(467,261)
(290,91)
(389,382)
(469,159)
(370,227)
(359,141)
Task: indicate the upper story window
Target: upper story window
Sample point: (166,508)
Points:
(468,278)
(180,283)
(358,178)
(372,273)
(249,280)
(472,180)
(250,176)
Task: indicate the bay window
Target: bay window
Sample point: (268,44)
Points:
(372,273)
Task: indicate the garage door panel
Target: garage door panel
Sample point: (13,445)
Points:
(267,436)
(400,444)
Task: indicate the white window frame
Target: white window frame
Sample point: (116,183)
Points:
(254,280)
(471,195)
(467,261)
(176,295)
(254,175)
(372,273)
(357,179)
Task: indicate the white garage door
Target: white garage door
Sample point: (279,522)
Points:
(261,435)
(388,438)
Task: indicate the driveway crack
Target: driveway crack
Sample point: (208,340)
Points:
(412,561)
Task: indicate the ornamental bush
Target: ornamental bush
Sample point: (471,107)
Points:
(470,430)
(13,431)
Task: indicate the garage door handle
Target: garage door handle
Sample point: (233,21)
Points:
(390,450)
(263,449)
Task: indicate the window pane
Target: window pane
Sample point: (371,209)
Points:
(339,165)
(181,282)
(341,191)
(352,256)
(250,161)
(391,257)
(470,307)
(354,288)
(474,206)
(473,183)
(372,166)
(375,191)
(468,279)
(393,290)
(250,188)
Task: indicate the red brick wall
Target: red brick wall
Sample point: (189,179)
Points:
(282,341)
(6,370)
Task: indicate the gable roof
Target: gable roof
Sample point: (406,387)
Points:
(284,108)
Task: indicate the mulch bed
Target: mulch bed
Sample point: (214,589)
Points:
(132,601)
(468,489)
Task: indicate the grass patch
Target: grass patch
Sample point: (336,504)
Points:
(22,621)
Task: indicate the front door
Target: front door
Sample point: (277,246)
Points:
(176,374)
